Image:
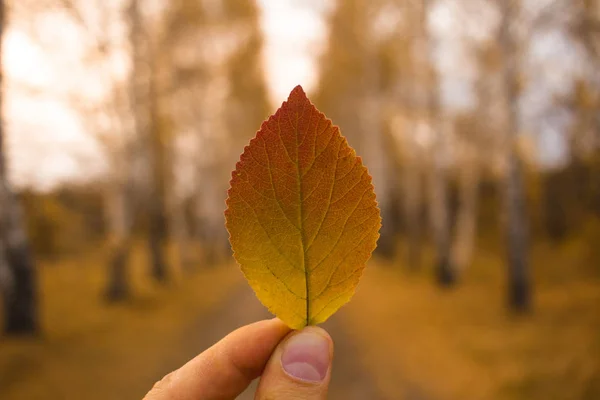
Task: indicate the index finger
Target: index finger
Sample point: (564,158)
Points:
(226,369)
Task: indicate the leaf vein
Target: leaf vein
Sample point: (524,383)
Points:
(267,234)
(274,190)
(328,202)
(358,182)
(309,168)
(342,231)
(327,285)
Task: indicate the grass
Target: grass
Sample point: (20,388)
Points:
(91,350)
(405,332)
(463,344)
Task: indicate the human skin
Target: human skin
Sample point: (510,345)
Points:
(290,364)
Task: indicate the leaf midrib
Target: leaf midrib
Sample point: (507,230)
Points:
(301,220)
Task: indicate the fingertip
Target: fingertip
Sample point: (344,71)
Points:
(307,354)
(250,347)
(300,367)
(276,322)
(318,331)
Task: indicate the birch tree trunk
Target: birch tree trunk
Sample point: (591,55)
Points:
(209,205)
(119,199)
(466,223)
(438,202)
(519,281)
(374,154)
(6,278)
(182,235)
(156,201)
(20,301)
(412,175)
(413,167)
(438,197)
(147,125)
(372,143)
(120,223)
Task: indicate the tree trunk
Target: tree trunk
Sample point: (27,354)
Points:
(438,200)
(6,278)
(413,203)
(145,112)
(376,159)
(182,235)
(466,224)
(446,275)
(119,222)
(118,288)
(372,144)
(413,168)
(156,202)
(209,206)
(20,301)
(157,245)
(519,285)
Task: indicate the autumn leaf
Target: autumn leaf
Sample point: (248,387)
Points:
(301,214)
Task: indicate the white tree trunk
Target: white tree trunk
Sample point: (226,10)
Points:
(119,223)
(6,276)
(20,301)
(372,150)
(519,285)
(438,211)
(412,179)
(466,223)
(437,180)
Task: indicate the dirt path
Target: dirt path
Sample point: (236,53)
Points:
(349,380)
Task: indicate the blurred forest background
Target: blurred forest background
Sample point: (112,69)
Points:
(479,121)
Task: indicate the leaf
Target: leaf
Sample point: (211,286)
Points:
(301,214)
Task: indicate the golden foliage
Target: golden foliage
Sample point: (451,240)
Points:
(301,214)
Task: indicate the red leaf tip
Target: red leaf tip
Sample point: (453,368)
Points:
(297,92)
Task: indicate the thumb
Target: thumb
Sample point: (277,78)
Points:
(299,368)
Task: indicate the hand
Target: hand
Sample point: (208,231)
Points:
(292,365)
